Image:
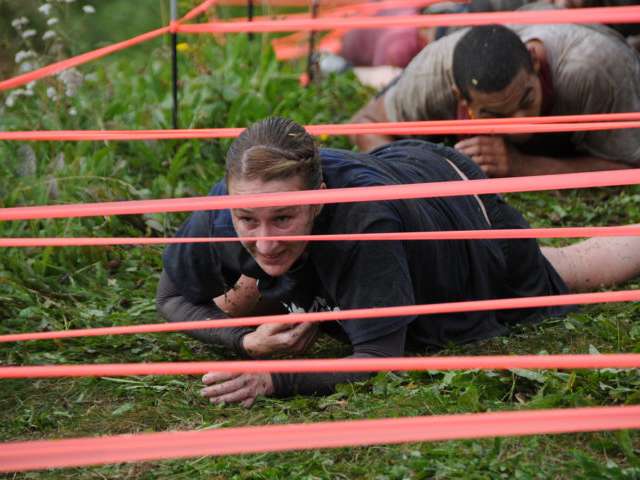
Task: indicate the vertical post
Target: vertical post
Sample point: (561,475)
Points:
(250,16)
(174,64)
(311,61)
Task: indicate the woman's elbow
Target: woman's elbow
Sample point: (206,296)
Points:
(165,293)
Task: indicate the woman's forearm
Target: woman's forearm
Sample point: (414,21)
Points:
(175,308)
(289,384)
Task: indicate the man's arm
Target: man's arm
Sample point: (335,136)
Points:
(499,159)
(524,164)
(372,112)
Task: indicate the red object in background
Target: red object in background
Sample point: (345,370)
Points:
(384,46)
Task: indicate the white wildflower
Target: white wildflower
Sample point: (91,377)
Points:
(72,79)
(22,55)
(52,93)
(10,101)
(70,1)
(29,33)
(73,112)
(54,193)
(28,161)
(88,9)
(52,21)
(48,35)
(45,9)
(31,85)
(18,23)
(57,164)
(26,67)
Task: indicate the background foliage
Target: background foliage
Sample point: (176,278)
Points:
(232,82)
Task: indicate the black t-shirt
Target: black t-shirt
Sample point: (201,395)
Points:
(361,274)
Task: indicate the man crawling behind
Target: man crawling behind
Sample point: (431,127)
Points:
(534,70)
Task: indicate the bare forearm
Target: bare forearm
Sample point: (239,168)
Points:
(173,307)
(523,165)
(373,112)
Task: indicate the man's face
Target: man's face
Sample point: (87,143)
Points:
(274,257)
(521,98)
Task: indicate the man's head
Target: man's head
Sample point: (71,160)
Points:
(274,155)
(496,75)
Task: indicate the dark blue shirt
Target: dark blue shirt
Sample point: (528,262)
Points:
(361,274)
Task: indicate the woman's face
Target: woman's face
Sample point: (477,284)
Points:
(274,257)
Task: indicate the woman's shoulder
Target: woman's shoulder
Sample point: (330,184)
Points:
(345,169)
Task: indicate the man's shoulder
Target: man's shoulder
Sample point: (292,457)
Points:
(424,89)
(583,60)
(586,44)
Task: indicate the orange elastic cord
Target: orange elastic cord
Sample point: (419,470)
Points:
(294,46)
(560,123)
(371,8)
(560,232)
(354,314)
(348,10)
(589,15)
(609,15)
(377,364)
(290,3)
(100,52)
(333,195)
(44,454)
(79,60)
(202,8)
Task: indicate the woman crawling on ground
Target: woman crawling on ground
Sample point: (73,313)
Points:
(210,281)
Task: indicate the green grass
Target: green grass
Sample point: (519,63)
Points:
(232,85)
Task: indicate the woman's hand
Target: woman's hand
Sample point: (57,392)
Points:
(279,338)
(242,388)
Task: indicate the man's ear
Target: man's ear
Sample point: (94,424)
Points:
(456,93)
(461,101)
(459,97)
(535,59)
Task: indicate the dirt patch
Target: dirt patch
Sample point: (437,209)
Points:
(6,64)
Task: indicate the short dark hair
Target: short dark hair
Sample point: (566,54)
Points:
(487,58)
(273,149)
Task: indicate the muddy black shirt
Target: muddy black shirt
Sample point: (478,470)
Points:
(360,274)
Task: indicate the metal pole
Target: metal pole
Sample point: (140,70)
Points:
(174,64)
(250,15)
(311,61)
